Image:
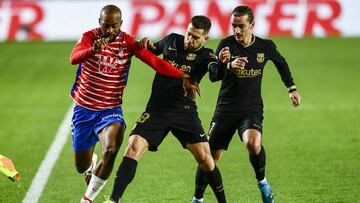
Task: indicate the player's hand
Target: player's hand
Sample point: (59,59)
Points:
(224,55)
(147,44)
(100,44)
(190,85)
(295,98)
(239,63)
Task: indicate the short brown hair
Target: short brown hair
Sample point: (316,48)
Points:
(243,10)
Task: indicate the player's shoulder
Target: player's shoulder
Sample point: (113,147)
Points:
(93,33)
(229,39)
(206,53)
(175,36)
(264,41)
(126,37)
(171,37)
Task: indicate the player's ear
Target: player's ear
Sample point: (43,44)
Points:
(207,37)
(252,25)
(99,22)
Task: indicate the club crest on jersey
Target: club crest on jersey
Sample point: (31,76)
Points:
(190,57)
(260,57)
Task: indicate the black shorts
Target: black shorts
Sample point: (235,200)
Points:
(184,125)
(224,125)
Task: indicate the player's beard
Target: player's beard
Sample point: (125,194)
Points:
(110,37)
(189,46)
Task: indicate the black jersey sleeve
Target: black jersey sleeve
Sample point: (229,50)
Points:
(161,44)
(217,69)
(280,64)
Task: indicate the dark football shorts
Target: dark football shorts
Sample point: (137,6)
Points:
(224,125)
(184,125)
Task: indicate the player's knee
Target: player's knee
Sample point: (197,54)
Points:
(206,162)
(110,150)
(132,151)
(253,147)
(81,168)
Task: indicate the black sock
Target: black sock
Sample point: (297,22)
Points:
(124,175)
(201,183)
(215,181)
(258,162)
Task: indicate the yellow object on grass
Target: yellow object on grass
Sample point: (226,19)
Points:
(7,168)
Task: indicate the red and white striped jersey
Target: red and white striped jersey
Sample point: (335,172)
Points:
(102,75)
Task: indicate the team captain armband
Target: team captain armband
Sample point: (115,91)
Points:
(292,88)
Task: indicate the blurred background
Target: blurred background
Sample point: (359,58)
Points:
(313,152)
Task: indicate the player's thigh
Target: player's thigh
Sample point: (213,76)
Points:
(201,150)
(250,126)
(112,134)
(110,128)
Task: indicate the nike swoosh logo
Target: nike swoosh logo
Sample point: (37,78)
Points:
(202,135)
(172,49)
(234,57)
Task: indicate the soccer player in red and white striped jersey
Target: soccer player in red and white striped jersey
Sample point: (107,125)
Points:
(104,58)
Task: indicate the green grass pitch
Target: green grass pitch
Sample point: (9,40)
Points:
(313,152)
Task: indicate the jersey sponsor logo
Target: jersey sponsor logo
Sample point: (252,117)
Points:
(114,115)
(107,63)
(260,57)
(190,57)
(184,68)
(246,73)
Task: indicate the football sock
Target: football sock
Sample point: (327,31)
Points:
(94,187)
(215,181)
(124,175)
(201,183)
(258,162)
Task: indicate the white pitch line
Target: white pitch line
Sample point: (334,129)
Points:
(43,173)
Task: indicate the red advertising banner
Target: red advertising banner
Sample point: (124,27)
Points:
(66,20)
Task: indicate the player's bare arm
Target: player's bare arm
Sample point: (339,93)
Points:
(190,86)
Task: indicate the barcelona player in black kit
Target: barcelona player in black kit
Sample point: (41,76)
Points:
(240,106)
(169,110)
